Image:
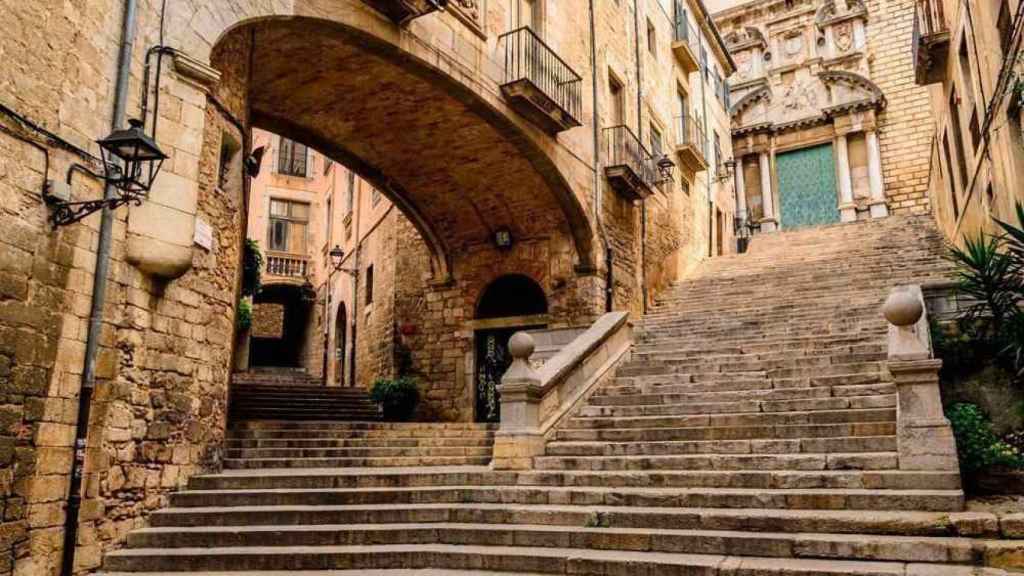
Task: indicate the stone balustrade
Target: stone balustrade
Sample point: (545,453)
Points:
(925,438)
(534,400)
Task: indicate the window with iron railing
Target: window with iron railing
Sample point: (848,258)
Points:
(624,148)
(292,158)
(690,133)
(527,57)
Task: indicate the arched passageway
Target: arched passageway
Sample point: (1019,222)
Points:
(340,344)
(510,303)
(280,326)
(456,166)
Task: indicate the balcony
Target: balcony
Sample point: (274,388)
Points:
(931,42)
(402,11)
(691,144)
(540,85)
(629,167)
(684,46)
(282,265)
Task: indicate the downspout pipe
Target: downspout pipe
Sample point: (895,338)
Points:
(609,287)
(639,135)
(99,297)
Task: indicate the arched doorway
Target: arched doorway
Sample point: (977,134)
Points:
(340,341)
(509,304)
(280,326)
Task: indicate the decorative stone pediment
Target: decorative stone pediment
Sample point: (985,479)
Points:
(749,37)
(849,91)
(837,11)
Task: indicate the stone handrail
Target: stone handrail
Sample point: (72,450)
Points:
(533,401)
(924,436)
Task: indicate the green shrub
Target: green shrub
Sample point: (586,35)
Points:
(977,445)
(244,318)
(252,268)
(398,398)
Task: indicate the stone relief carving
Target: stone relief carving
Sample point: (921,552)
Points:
(471,13)
(798,98)
(744,64)
(793,45)
(843,36)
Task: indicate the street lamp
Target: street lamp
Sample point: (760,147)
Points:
(131,161)
(665,167)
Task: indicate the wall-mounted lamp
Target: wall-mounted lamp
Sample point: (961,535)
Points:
(337,256)
(503,239)
(131,161)
(254,162)
(666,167)
(728,170)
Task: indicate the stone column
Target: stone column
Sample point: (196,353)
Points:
(519,438)
(878,207)
(847,209)
(741,191)
(924,436)
(769,223)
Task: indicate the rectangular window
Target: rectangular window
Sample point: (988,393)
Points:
(291,158)
(718,153)
(656,143)
(953,200)
(617,94)
(375,197)
(288,227)
(652,39)
(329,220)
(369,284)
(967,80)
(351,193)
(327,164)
(682,28)
(958,138)
(1004,23)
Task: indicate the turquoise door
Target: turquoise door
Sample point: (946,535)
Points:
(807,187)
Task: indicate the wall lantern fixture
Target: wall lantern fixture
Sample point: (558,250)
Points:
(131,161)
(503,239)
(666,167)
(337,256)
(728,170)
(254,162)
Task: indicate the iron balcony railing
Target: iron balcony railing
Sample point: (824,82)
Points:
(929,18)
(623,148)
(527,57)
(286,265)
(690,133)
(683,32)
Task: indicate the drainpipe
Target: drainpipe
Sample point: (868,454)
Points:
(99,296)
(707,144)
(609,287)
(357,206)
(639,135)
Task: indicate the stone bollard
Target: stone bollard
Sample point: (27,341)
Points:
(925,438)
(519,439)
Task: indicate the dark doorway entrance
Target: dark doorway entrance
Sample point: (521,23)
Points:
(280,321)
(340,337)
(509,304)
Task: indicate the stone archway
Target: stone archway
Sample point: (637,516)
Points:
(453,159)
(340,343)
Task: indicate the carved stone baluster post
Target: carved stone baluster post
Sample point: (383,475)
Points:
(925,438)
(519,438)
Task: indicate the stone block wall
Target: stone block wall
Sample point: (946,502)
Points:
(906,126)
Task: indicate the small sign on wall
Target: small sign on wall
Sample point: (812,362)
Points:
(203,234)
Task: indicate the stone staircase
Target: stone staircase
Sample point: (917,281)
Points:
(752,433)
(291,394)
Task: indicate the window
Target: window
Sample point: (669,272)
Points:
(618,101)
(289,224)
(528,14)
(704,63)
(291,158)
(967,78)
(652,39)
(375,197)
(948,156)
(327,164)
(958,137)
(718,153)
(351,194)
(685,186)
(369,284)
(329,220)
(682,28)
(656,143)
(1004,23)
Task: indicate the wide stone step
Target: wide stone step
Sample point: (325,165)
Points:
(439,427)
(810,461)
(544,560)
(594,536)
(357,453)
(738,419)
(812,499)
(482,476)
(801,431)
(356,462)
(738,406)
(631,396)
(773,446)
(345,442)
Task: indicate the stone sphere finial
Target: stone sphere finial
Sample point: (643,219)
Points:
(521,346)
(903,308)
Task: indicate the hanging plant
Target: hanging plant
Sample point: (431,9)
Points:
(252,268)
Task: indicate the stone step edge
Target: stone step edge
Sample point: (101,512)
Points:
(531,556)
